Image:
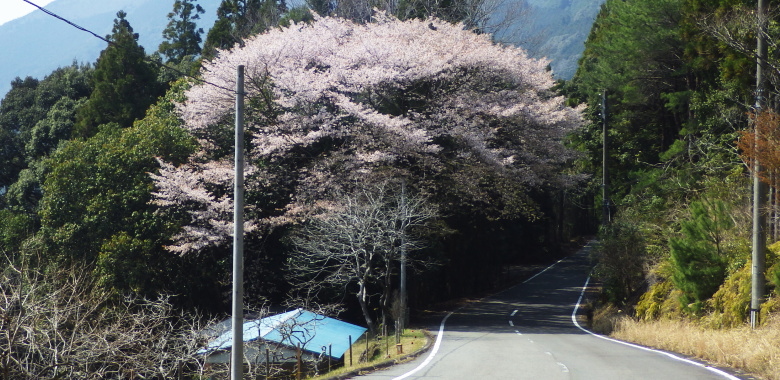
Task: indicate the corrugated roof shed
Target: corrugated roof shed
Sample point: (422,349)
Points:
(314,332)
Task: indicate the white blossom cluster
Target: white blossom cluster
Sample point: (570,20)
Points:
(334,103)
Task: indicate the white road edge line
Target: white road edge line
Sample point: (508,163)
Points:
(441,333)
(511,324)
(433,351)
(673,356)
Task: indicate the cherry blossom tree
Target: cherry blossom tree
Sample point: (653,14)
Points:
(334,104)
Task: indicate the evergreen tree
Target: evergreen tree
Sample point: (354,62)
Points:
(124,83)
(182,35)
(238,19)
(699,256)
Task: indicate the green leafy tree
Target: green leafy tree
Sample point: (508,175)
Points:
(700,255)
(17,112)
(96,207)
(34,117)
(125,83)
(621,257)
(182,35)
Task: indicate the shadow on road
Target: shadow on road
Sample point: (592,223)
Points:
(542,305)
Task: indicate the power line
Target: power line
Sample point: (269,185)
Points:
(146,58)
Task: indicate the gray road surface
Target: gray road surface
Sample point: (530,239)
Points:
(527,332)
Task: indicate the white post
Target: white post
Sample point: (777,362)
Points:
(237,351)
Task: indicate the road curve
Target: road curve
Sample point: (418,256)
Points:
(527,332)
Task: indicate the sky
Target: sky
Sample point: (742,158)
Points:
(12,9)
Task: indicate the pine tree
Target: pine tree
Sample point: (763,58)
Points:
(182,35)
(699,257)
(124,83)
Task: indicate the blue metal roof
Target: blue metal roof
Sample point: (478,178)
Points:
(313,332)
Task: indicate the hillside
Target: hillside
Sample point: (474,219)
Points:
(38,43)
(557,29)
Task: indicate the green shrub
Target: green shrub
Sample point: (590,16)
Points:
(620,257)
(699,256)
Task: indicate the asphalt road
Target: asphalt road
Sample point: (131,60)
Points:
(527,332)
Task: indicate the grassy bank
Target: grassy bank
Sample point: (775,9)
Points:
(367,356)
(753,351)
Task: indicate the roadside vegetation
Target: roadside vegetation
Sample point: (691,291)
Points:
(674,262)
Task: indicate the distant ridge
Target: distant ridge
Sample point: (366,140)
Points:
(558,30)
(36,44)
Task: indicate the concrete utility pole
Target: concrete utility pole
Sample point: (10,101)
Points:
(606,216)
(237,351)
(402,319)
(760,189)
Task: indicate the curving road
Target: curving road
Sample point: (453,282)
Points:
(528,332)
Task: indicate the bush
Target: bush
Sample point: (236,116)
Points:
(620,258)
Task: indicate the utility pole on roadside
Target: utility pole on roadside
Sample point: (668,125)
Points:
(606,215)
(402,319)
(237,351)
(760,189)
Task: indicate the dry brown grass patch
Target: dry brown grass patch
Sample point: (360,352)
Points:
(752,351)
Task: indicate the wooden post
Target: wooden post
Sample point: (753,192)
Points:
(300,363)
(350,350)
(267,363)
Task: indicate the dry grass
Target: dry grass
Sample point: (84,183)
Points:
(753,351)
(382,351)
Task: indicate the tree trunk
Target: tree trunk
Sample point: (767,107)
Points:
(361,295)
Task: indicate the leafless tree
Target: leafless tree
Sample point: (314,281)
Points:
(57,325)
(358,239)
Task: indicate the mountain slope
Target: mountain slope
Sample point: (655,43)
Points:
(557,29)
(37,43)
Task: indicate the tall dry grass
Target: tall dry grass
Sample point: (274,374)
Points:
(753,351)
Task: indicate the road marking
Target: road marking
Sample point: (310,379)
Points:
(433,351)
(513,313)
(518,332)
(564,368)
(511,324)
(668,354)
(543,270)
(441,334)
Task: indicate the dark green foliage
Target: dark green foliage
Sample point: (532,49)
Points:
(15,227)
(238,19)
(700,255)
(182,36)
(35,116)
(634,52)
(621,257)
(124,83)
(96,206)
(18,112)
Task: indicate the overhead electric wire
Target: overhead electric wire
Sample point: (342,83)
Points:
(146,58)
